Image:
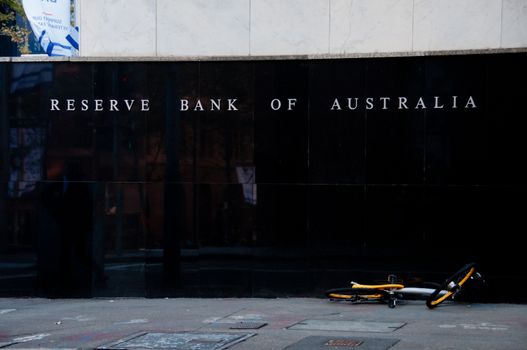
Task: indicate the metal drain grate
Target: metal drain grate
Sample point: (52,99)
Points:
(247,325)
(350,343)
(180,341)
(342,343)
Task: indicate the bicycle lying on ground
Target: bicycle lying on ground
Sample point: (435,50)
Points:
(393,292)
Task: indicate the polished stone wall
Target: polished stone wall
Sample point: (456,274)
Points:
(260,178)
(164,28)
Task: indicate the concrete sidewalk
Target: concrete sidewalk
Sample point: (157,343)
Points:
(293,323)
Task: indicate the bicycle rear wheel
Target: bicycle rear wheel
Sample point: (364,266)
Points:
(356,295)
(452,285)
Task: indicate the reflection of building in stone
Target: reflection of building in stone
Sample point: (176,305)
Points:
(123,157)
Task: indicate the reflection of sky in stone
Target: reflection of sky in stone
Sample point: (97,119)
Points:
(29,76)
(26,146)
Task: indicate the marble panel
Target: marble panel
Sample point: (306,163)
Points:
(289,27)
(371,26)
(118,28)
(514,24)
(456,25)
(203,27)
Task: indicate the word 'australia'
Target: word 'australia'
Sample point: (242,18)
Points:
(452,102)
(72,105)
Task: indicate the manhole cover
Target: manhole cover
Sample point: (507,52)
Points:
(247,325)
(347,326)
(342,343)
(350,343)
(179,341)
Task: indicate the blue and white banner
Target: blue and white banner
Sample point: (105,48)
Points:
(51,23)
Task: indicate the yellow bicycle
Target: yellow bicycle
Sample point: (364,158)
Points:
(393,293)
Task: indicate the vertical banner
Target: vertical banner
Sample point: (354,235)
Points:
(51,24)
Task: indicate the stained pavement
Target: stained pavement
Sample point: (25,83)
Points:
(288,323)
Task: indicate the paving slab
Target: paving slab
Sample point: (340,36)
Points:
(179,341)
(348,326)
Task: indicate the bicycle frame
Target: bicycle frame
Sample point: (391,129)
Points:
(396,292)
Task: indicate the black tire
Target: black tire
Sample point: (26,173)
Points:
(356,294)
(458,279)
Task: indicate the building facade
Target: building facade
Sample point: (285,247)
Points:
(266,148)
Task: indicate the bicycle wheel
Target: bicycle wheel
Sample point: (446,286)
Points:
(451,286)
(356,294)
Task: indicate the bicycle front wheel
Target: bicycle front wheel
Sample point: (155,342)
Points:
(451,286)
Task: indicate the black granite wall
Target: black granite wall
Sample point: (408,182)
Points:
(125,179)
